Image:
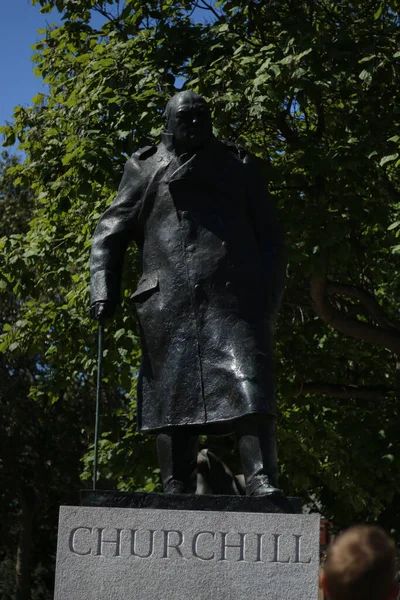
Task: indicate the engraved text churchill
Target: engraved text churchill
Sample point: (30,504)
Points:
(267,547)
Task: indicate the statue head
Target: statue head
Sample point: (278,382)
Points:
(188,117)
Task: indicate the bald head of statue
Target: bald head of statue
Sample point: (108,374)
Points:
(187,117)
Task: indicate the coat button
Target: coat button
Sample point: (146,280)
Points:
(225,245)
(185,214)
(197,287)
(228,285)
(191,248)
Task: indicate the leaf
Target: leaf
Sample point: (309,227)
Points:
(10,139)
(38,99)
(261,79)
(393,225)
(378,13)
(367,58)
(105,62)
(388,158)
(46,8)
(365,76)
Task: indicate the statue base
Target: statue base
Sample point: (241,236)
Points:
(158,547)
(251,504)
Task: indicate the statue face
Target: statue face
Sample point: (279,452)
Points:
(190,122)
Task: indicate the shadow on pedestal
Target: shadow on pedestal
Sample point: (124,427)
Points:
(248,504)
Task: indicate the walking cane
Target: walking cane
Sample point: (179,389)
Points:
(98,396)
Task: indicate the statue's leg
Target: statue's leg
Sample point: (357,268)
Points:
(177,459)
(256,436)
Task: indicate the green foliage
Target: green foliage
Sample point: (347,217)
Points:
(310,87)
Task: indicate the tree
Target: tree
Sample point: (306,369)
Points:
(46,421)
(311,88)
(35,473)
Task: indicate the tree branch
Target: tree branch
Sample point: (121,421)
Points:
(104,13)
(208,7)
(351,309)
(380,336)
(364,392)
(367,299)
(115,20)
(284,128)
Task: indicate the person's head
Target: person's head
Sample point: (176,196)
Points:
(188,117)
(360,565)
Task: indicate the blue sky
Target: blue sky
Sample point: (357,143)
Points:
(19,24)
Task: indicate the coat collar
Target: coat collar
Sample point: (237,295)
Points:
(168,140)
(213,164)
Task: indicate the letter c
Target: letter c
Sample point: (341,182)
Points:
(72,541)
(194,545)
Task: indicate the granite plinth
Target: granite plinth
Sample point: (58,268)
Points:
(107,553)
(263,504)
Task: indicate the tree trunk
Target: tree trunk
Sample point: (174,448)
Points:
(24,551)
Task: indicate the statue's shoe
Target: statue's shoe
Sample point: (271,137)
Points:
(261,486)
(174,486)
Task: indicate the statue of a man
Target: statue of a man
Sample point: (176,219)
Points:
(211,254)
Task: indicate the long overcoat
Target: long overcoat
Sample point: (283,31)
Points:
(212,276)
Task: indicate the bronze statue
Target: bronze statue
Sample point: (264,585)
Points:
(211,252)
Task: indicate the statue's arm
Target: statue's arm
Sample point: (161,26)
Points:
(269,233)
(116,228)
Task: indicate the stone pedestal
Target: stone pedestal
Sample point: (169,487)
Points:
(262,504)
(108,553)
